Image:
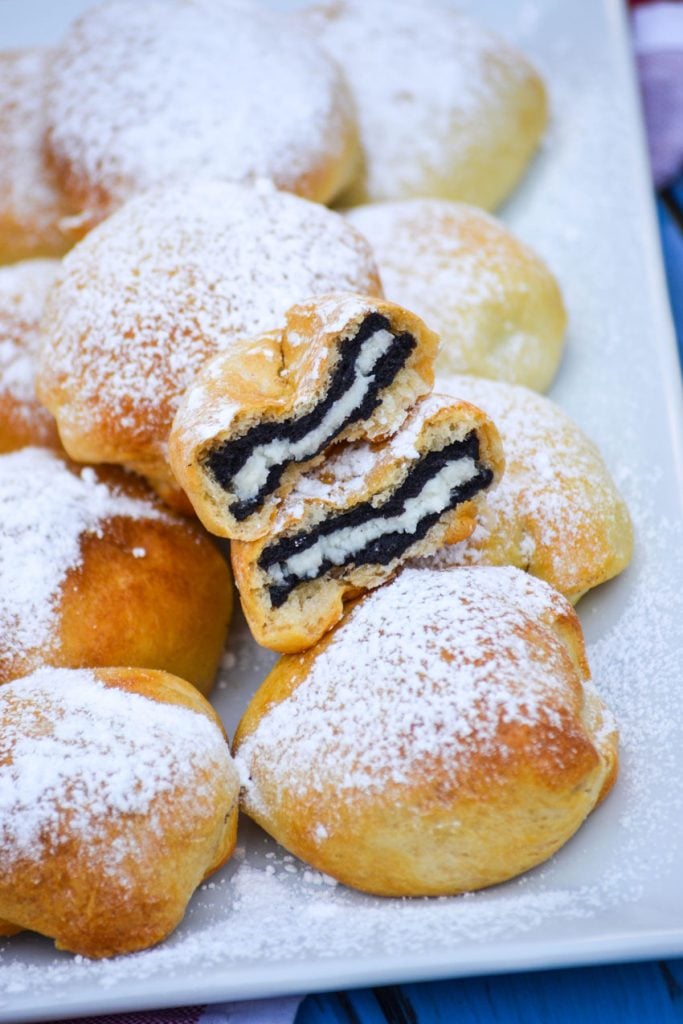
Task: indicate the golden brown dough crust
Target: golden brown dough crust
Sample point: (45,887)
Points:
(445,107)
(558,513)
(444,737)
(280,378)
(494,303)
(354,476)
(32,208)
(174,277)
(23,420)
(99,573)
(137,803)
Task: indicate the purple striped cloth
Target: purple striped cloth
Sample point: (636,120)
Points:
(251,1011)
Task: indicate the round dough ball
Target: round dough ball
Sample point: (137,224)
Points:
(444,737)
(94,571)
(171,279)
(119,796)
(31,205)
(557,512)
(494,303)
(144,94)
(23,420)
(445,107)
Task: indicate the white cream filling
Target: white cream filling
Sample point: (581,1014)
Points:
(338,547)
(254,473)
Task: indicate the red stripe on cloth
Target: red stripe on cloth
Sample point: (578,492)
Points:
(182,1015)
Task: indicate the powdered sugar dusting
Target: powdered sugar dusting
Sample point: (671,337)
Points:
(428,666)
(151,93)
(473,282)
(45,511)
(23,288)
(76,753)
(30,204)
(425,80)
(176,276)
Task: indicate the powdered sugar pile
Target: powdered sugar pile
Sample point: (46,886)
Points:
(430,666)
(172,278)
(23,288)
(556,506)
(425,79)
(45,511)
(76,755)
(149,93)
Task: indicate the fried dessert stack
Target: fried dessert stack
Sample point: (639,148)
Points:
(218,345)
(333,391)
(33,208)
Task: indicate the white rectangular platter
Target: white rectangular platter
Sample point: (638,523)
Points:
(267,925)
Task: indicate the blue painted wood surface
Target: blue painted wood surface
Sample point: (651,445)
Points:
(649,993)
(642,993)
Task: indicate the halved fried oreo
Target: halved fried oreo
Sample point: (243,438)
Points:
(349,524)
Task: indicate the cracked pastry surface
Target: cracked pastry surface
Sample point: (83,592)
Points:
(32,206)
(344,366)
(148,94)
(95,571)
(557,512)
(118,795)
(350,523)
(23,420)
(444,737)
(495,305)
(171,279)
(445,107)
